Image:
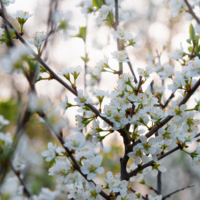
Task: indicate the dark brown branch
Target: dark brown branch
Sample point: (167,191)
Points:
(21,181)
(169,195)
(134,191)
(131,68)
(168,100)
(151,188)
(191,11)
(159,183)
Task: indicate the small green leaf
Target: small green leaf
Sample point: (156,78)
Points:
(85,59)
(189,41)
(190,49)
(197,37)
(97,3)
(82,33)
(192,32)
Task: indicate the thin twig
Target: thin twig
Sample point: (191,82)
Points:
(153,189)
(191,11)
(118,40)
(85,63)
(168,100)
(169,195)
(134,191)
(50,23)
(131,69)
(21,181)
(139,85)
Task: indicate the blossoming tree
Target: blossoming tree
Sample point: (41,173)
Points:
(151,127)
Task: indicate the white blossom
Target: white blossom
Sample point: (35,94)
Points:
(75,142)
(120,33)
(91,166)
(82,99)
(14,60)
(37,39)
(133,41)
(178,53)
(51,152)
(175,6)
(167,71)
(115,184)
(3,121)
(121,56)
(18,163)
(62,170)
(21,15)
(103,12)
(6,138)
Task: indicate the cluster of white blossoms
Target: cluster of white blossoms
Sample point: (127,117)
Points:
(89,191)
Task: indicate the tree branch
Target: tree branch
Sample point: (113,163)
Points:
(191,11)
(131,69)
(159,183)
(169,195)
(134,191)
(21,181)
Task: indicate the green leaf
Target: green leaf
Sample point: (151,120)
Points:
(190,49)
(85,59)
(192,32)
(197,37)
(189,41)
(97,3)
(5,37)
(82,33)
(196,42)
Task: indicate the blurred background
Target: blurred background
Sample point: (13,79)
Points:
(159,32)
